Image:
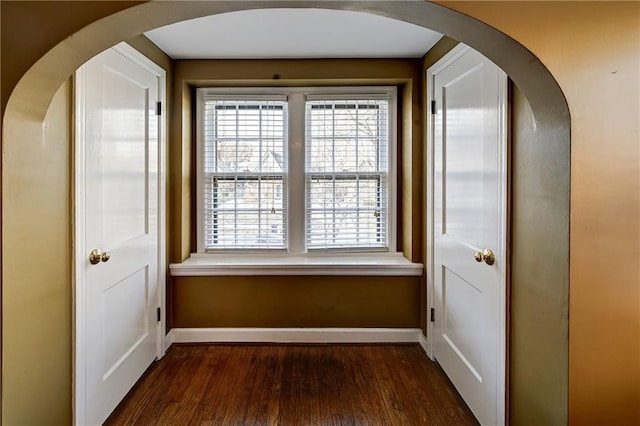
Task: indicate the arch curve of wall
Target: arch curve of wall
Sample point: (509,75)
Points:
(541,185)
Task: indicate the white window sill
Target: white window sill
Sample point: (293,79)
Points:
(343,264)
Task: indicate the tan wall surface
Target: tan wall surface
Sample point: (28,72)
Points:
(36,326)
(593,50)
(296,301)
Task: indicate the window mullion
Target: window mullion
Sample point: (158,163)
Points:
(296,180)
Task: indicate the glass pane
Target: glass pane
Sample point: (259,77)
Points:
(244,162)
(246,213)
(249,153)
(226,156)
(320,154)
(347,136)
(272,122)
(224,123)
(346,194)
(345,212)
(320,194)
(368,193)
(345,120)
(248,120)
(346,154)
(347,160)
(368,155)
(225,194)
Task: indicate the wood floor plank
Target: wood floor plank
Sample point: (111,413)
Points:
(260,405)
(293,385)
(147,400)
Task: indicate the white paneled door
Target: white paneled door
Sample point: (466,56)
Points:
(118,238)
(469,228)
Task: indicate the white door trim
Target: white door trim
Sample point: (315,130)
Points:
(80,251)
(429,190)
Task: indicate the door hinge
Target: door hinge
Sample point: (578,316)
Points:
(159,311)
(433,315)
(158,108)
(433,107)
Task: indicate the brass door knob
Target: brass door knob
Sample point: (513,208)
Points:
(95,256)
(488,256)
(485,256)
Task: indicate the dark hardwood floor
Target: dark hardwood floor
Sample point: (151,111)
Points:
(293,385)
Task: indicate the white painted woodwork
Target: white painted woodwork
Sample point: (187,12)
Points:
(343,264)
(422,341)
(119,210)
(469,154)
(295,335)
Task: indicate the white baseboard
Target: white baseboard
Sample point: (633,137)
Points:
(294,335)
(168,340)
(423,342)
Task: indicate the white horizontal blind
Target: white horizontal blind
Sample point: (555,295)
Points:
(244,167)
(346,170)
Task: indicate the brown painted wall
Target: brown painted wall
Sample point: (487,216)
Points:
(404,73)
(292,301)
(441,48)
(593,50)
(285,301)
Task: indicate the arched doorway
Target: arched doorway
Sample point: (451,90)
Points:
(28,105)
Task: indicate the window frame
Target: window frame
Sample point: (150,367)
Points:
(294,175)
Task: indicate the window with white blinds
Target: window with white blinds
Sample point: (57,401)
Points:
(296,169)
(347,159)
(243,162)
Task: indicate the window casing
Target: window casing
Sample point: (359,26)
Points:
(296,170)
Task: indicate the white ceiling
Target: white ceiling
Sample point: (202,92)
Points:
(293,33)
